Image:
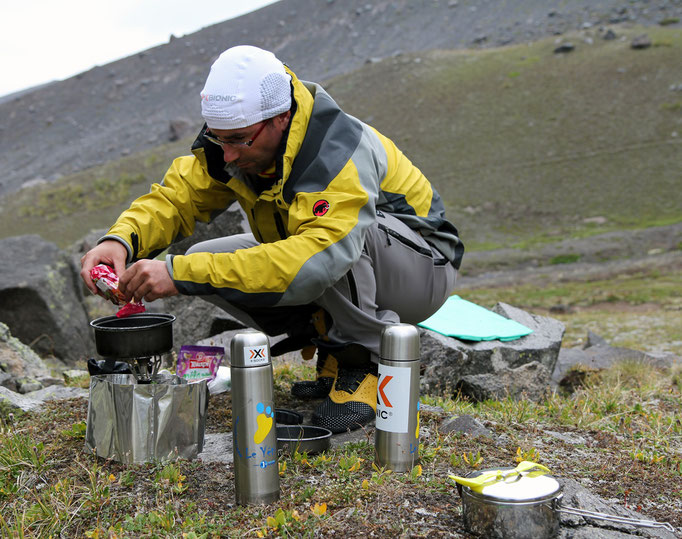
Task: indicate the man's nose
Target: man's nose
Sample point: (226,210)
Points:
(229,153)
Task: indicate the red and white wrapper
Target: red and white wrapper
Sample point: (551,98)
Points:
(107,282)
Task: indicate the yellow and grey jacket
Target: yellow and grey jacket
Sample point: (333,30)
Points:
(333,174)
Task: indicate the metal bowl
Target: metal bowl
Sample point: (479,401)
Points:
(135,336)
(303,438)
(288,417)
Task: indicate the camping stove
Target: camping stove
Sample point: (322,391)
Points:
(140,340)
(144,416)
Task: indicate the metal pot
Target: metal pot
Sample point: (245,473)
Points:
(518,507)
(135,336)
(522,503)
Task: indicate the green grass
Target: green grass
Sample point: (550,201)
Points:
(66,210)
(628,418)
(639,311)
(48,485)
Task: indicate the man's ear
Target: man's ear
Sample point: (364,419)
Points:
(282,120)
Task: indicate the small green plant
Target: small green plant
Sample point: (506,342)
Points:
(351,463)
(77,430)
(98,491)
(564,259)
(283,521)
(531,455)
(127,478)
(456,461)
(170,477)
(473,460)
(379,475)
(416,472)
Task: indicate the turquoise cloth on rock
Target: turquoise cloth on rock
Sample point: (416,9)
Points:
(465,320)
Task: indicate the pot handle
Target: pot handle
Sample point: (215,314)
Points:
(614,518)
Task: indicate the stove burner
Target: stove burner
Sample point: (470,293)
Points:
(144,368)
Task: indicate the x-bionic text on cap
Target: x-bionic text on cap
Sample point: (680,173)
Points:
(214,97)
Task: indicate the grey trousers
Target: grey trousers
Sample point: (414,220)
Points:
(398,278)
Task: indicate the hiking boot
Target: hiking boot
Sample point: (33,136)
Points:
(352,401)
(320,387)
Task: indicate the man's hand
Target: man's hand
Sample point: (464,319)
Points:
(148,279)
(109,252)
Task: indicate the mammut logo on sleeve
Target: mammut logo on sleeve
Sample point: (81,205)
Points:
(320,208)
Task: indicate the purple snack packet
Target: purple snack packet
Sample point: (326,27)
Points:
(199,362)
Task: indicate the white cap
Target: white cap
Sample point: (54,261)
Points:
(246,85)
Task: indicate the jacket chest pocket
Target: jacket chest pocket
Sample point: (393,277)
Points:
(268,222)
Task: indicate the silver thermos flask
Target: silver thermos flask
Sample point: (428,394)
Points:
(256,474)
(396,441)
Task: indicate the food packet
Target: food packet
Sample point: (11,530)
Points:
(199,362)
(107,282)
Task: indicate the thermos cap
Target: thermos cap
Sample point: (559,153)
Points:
(400,342)
(250,349)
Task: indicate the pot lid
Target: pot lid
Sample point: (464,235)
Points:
(527,482)
(522,488)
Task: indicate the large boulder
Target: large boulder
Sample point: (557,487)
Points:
(41,300)
(227,223)
(493,369)
(197,320)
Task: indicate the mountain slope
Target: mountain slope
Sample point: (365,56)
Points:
(522,143)
(127,105)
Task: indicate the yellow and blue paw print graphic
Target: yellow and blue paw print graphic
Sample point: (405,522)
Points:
(265,419)
(416,432)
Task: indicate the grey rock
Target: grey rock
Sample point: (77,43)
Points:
(72,375)
(641,42)
(217,448)
(566,437)
(56,392)
(27,385)
(493,367)
(530,381)
(568,359)
(33,401)
(466,424)
(430,409)
(198,320)
(227,223)
(16,400)
(17,359)
(577,496)
(604,356)
(598,354)
(8,381)
(564,48)
(594,340)
(41,299)
(179,128)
